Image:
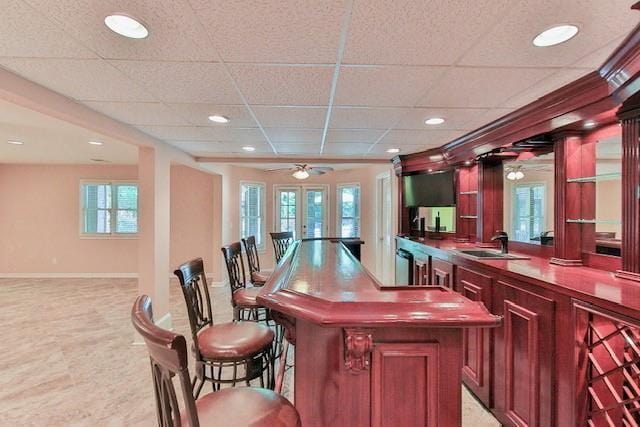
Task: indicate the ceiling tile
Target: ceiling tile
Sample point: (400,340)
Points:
(596,58)
(381,149)
(394,86)
(346,149)
(544,87)
(510,43)
(427,32)
(290,117)
(188,82)
(455,118)
(165,19)
(82,79)
(292,148)
(487,117)
(307,136)
(283,85)
(198,114)
(481,87)
(364,117)
(203,133)
(354,135)
(220,148)
(138,113)
(292,31)
(425,138)
(25,33)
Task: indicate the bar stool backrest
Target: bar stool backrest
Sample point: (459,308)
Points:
(281,241)
(195,289)
(235,266)
(251,250)
(168,355)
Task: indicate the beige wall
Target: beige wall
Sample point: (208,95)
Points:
(365,176)
(40,221)
(609,205)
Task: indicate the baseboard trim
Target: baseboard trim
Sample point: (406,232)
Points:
(68,275)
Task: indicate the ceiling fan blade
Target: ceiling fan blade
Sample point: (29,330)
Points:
(323,169)
(314,171)
(280,169)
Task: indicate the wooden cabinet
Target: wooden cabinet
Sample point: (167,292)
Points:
(441,273)
(476,343)
(421,272)
(523,387)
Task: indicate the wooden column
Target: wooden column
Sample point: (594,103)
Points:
(567,236)
(490,200)
(630,116)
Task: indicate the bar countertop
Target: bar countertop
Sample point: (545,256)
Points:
(320,281)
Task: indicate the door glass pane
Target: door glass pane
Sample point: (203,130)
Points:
(288,211)
(314,222)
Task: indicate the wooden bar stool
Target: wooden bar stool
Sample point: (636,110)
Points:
(258,277)
(246,345)
(281,242)
(243,298)
(230,407)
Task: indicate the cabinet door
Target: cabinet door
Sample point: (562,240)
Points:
(421,272)
(524,357)
(441,273)
(476,342)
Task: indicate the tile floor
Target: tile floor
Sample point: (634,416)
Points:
(67,359)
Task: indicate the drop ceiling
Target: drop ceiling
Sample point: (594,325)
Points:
(334,78)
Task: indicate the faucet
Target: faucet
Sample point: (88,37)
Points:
(503,237)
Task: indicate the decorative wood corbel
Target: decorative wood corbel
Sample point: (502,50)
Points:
(288,323)
(358,344)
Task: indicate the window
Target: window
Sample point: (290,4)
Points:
(349,210)
(528,211)
(109,208)
(252,219)
(288,213)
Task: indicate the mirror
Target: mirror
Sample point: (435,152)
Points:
(529,198)
(608,199)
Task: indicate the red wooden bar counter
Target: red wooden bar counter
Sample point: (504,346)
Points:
(367,354)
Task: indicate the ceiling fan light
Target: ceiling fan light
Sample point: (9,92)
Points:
(519,174)
(511,176)
(301,174)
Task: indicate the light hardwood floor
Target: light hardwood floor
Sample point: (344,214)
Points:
(67,359)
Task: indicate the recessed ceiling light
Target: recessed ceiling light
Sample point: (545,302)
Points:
(94,142)
(467,162)
(434,121)
(126,26)
(219,119)
(15,142)
(430,170)
(393,150)
(555,35)
(249,148)
(589,124)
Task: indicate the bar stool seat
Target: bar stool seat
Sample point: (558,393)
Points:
(246,297)
(249,407)
(237,340)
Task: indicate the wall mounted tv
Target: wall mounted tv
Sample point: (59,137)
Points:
(429,190)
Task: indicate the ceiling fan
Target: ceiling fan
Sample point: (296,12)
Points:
(303,171)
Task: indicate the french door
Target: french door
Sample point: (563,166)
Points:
(302,209)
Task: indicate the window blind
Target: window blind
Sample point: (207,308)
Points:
(109,208)
(349,210)
(251,212)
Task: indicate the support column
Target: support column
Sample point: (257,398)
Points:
(154,230)
(568,158)
(490,200)
(630,116)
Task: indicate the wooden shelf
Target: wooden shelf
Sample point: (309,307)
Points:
(467,193)
(594,221)
(597,178)
(469,216)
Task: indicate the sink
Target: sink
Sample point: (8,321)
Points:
(488,254)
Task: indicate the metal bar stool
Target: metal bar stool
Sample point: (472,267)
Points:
(258,277)
(281,242)
(243,298)
(237,406)
(247,345)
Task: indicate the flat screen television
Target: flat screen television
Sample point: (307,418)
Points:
(429,190)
